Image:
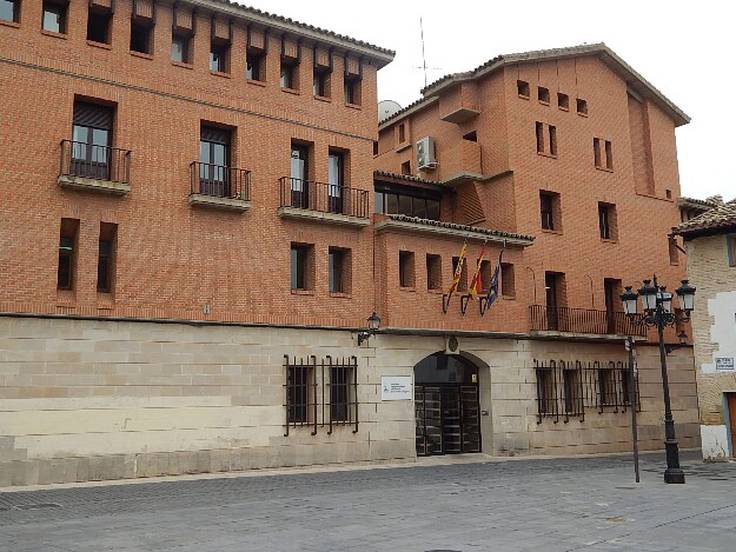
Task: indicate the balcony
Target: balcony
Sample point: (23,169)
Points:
(320,202)
(582,321)
(94,168)
(464,160)
(219,187)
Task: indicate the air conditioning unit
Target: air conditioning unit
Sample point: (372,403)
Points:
(452,346)
(426,156)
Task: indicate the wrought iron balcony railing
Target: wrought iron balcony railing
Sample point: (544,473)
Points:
(325,198)
(220,181)
(83,160)
(583,321)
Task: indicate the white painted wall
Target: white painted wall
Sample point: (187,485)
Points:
(714,439)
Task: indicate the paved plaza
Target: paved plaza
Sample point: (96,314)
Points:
(532,504)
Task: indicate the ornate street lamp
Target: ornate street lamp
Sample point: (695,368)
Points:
(657,304)
(374,322)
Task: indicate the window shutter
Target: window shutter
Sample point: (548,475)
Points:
(216,135)
(731,248)
(93,115)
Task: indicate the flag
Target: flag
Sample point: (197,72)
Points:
(475,283)
(458,272)
(492,293)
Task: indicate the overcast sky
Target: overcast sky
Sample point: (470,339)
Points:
(685,49)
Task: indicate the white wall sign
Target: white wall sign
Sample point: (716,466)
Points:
(396,388)
(724,364)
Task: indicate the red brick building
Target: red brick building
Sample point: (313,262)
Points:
(190,251)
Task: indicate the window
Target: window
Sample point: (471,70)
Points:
(405,200)
(353,89)
(731,249)
(508,280)
(471,136)
(434,272)
(552,140)
(321,82)
(301,393)
(406,269)
(289,74)
(402,133)
(563,101)
(342,386)
(91,140)
(300,165)
(546,392)
(463,284)
(219,56)
(485,275)
(540,137)
(607,386)
(106,257)
(181,47)
(214,161)
(550,147)
(99,22)
(522,89)
(543,94)
(67,253)
(335,404)
(255,66)
(674,251)
(582,106)
(141,36)
(10,10)
(302,263)
(549,203)
(573,388)
(603,154)
(339,270)
(375,148)
(406,167)
(335,180)
(54,16)
(607,221)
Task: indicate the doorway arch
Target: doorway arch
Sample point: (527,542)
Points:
(446,405)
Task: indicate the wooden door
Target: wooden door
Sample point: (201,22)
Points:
(732,418)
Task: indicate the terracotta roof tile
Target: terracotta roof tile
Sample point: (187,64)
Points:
(719,219)
(463,227)
(305,26)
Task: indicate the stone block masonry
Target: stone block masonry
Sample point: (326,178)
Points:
(90,400)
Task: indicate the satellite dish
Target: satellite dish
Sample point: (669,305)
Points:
(386,108)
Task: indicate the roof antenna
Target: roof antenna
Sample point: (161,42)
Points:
(424,59)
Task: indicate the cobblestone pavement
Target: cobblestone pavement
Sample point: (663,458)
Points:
(542,505)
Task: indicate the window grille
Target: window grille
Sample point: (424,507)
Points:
(321,394)
(566,389)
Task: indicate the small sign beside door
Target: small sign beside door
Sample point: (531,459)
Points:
(396,388)
(725,364)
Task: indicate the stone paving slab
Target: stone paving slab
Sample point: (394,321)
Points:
(550,505)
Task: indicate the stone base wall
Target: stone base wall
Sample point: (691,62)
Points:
(91,400)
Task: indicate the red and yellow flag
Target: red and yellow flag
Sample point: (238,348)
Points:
(458,272)
(475,283)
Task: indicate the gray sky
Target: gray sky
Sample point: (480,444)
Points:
(685,49)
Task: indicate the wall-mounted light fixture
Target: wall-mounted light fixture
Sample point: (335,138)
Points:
(374,322)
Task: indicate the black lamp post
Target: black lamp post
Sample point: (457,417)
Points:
(657,303)
(374,322)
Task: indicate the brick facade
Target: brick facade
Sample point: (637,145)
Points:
(179,368)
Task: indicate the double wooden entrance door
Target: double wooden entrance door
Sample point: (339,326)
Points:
(447,418)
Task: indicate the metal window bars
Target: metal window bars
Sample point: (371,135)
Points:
(565,389)
(321,394)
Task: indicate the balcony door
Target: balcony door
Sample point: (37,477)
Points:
(335,181)
(612,290)
(91,138)
(299,176)
(214,158)
(553,289)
